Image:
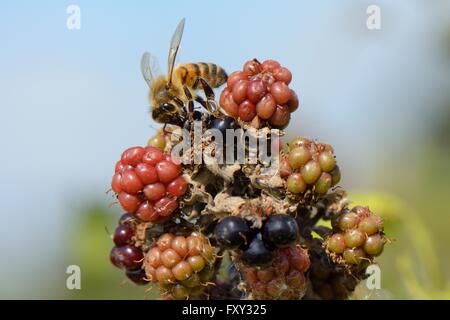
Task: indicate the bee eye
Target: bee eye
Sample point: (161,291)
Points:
(168,107)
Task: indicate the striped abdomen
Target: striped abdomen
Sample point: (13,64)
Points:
(212,73)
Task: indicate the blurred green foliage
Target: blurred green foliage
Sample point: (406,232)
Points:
(90,246)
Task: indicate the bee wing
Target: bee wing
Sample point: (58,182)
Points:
(174,45)
(149,68)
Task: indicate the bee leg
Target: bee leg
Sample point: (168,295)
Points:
(211,104)
(190,103)
(202,102)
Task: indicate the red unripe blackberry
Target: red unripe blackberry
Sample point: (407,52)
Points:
(153,257)
(256,89)
(130,182)
(252,67)
(235,77)
(293,101)
(282,74)
(115,183)
(167,171)
(228,104)
(180,245)
(266,107)
(197,263)
(123,235)
(152,156)
(164,275)
(270,65)
(247,111)
(285,168)
(132,156)
(280,118)
(298,258)
(182,270)
(280,91)
(239,91)
(165,206)
(265,275)
(146,173)
(147,212)
(129,202)
(177,187)
(154,191)
(165,241)
(170,258)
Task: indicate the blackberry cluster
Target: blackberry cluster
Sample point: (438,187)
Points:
(260,94)
(182,266)
(182,220)
(358,236)
(148,182)
(309,165)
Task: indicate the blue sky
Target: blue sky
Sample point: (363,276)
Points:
(72,100)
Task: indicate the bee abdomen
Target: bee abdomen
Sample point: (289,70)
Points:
(212,73)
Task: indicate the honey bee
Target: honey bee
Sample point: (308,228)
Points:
(172,96)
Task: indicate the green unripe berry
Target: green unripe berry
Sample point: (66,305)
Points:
(336,243)
(354,256)
(370,225)
(354,238)
(180,292)
(298,142)
(374,245)
(295,183)
(192,281)
(157,141)
(327,161)
(336,175)
(348,221)
(311,172)
(298,157)
(323,184)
